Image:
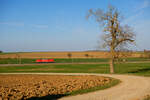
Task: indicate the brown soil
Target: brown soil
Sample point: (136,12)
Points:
(92,54)
(27,86)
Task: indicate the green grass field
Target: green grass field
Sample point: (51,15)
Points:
(122,68)
(76,60)
(30,61)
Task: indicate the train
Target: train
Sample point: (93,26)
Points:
(45,61)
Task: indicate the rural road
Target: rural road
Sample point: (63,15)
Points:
(131,88)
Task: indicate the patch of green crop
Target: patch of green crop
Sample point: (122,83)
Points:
(142,69)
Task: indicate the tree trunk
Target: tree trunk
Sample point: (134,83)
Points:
(112,66)
(112,60)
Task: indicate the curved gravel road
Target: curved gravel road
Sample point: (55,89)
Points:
(131,88)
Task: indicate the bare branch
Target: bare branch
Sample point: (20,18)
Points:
(115,37)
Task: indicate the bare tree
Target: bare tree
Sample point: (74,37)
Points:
(87,55)
(70,56)
(1,51)
(18,58)
(116,36)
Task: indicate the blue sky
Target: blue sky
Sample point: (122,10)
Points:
(60,25)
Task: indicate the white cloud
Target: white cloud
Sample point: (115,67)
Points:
(12,23)
(40,26)
(137,12)
(133,18)
(140,25)
(142,30)
(144,4)
(22,24)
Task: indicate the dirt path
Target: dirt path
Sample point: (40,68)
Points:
(131,88)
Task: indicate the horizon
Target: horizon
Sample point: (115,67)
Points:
(74,51)
(60,25)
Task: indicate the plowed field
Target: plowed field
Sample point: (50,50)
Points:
(14,87)
(89,54)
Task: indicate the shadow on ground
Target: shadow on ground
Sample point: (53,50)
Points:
(140,70)
(48,97)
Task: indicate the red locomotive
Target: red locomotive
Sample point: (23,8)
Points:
(45,61)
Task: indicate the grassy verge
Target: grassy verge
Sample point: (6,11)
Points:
(142,69)
(57,60)
(73,68)
(16,61)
